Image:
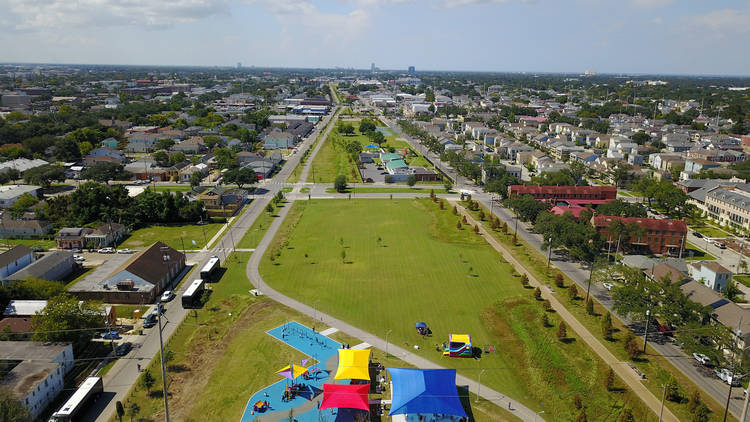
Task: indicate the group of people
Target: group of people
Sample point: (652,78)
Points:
(257,408)
(291,392)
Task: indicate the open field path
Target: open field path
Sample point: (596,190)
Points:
(625,372)
(515,407)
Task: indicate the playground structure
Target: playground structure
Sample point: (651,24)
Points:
(459,345)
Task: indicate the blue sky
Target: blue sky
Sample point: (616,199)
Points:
(608,36)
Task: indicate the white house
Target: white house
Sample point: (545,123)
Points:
(15,259)
(11,193)
(37,372)
(710,273)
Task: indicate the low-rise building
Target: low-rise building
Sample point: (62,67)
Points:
(72,237)
(579,194)
(711,273)
(666,237)
(15,259)
(106,234)
(35,371)
(52,266)
(23,228)
(729,206)
(9,194)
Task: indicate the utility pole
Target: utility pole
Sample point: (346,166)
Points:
(663,396)
(163,366)
(549,254)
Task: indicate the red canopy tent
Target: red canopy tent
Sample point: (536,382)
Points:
(347,396)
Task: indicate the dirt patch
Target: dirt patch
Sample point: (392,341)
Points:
(197,366)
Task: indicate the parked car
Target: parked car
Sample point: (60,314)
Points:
(111,335)
(76,250)
(702,359)
(78,258)
(125,250)
(608,286)
(167,296)
(106,250)
(720,245)
(123,349)
(726,376)
(159,309)
(149,321)
(698,235)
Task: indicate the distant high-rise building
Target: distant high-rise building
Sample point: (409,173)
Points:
(239,65)
(372,68)
(411,69)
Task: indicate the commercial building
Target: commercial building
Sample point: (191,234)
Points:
(135,279)
(11,193)
(572,194)
(35,371)
(729,206)
(666,237)
(72,237)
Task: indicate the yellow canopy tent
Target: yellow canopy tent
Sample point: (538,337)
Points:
(292,371)
(353,364)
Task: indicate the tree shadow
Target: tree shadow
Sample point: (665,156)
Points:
(178,368)
(568,340)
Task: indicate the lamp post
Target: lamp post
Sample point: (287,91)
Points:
(591,273)
(166,258)
(386,342)
(645,334)
(479,384)
(549,253)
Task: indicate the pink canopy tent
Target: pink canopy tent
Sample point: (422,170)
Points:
(346,396)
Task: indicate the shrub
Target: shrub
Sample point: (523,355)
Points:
(546,305)
(559,281)
(562,331)
(537,293)
(673,391)
(582,416)
(609,380)
(626,416)
(695,400)
(577,402)
(545,320)
(632,346)
(476,229)
(481,215)
(701,413)
(573,292)
(455,210)
(463,219)
(607,326)
(590,307)
(458,224)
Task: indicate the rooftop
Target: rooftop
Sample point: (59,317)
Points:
(14,254)
(646,223)
(24,307)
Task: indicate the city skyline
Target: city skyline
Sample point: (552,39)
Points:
(628,37)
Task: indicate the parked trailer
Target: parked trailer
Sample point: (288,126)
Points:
(91,387)
(192,296)
(208,272)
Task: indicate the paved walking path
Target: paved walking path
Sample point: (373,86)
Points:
(622,369)
(515,407)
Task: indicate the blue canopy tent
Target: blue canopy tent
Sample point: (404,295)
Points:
(424,391)
(421,325)
(372,146)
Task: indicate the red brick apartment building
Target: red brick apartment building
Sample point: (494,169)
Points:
(665,237)
(573,194)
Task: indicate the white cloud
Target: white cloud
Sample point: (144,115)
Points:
(55,14)
(724,20)
(657,20)
(652,3)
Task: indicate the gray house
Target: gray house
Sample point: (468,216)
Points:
(52,267)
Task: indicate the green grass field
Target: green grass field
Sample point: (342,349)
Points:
(172,188)
(174,236)
(698,254)
(388,190)
(332,160)
(45,244)
(256,232)
(386,264)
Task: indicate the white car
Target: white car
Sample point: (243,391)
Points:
(702,359)
(126,250)
(608,286)
(78,258)
(167,296)
(106,250)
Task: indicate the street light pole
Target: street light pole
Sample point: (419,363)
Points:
(645,334)
(549,253)
(386,342)
(663,396)
(163,366)
(479,384)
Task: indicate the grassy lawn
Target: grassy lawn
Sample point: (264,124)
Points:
(655,366)
(256,232)
(709,230)
(211,348)
(332,160)
(172,188)
(698,254)
(420,267)
(304,190)
(388,190)
(76,277)
(126,311)
(174,236)
(287,189)
(297,172)
(742,279)
(45,244)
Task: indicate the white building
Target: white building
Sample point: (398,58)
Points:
(9,194)
(36,371)
(710,273)
(15,259)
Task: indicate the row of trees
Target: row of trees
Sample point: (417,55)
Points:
(668,197)
(93,202)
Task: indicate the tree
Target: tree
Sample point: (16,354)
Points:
(573,292)
(176,158)
(346,128)
(632,346)
(343,256)
(622,208)
(133,410)
(458,224)
(44,175)
(562,331)
(447,185)
(376,137)
(695,401)
(607,326)
(120,410)
(211,141)
(559,280)
(240,176)
(609,380)
(11,409)
(537,293)
(147,380)
(590,307)
(161,157)
(104,172)
(340,183)
(701,414)
(527,207)
(22,204)
(66,149)
(545,320)
(577,402)
(411,180)
(63,319)
(582,416)
(164,144)
(196,179)
(731,291)
(269,208)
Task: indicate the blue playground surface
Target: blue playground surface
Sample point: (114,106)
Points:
(314,345)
